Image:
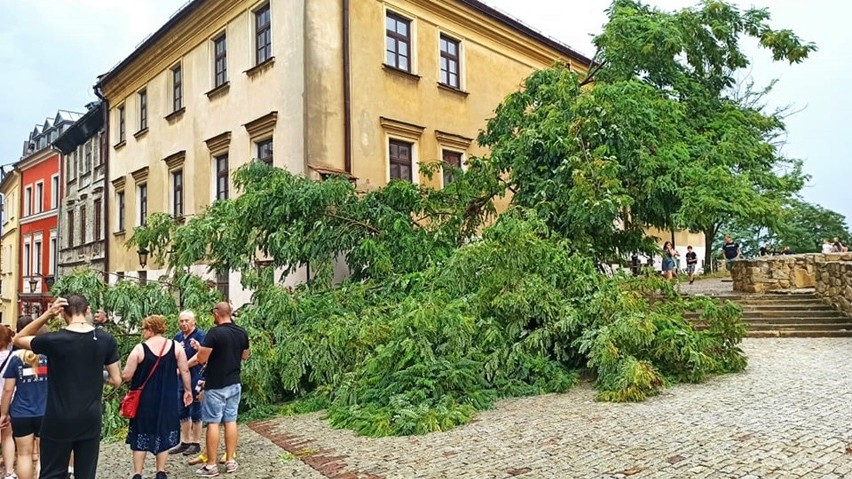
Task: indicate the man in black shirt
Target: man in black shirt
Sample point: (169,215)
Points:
(77,356)
(731,251)
(224,349)
(691,263)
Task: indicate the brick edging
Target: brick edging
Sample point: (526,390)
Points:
(322,460)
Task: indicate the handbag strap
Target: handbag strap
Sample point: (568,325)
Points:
(6,361)
(157,363)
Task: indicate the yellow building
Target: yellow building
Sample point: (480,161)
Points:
(9,245)
(366,88)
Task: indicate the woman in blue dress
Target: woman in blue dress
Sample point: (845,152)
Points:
(156,427)
(669,263)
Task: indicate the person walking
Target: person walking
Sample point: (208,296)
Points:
(691,263)
(224,349)
(190,416)
(7,442)
(26,381)
(669,264)
(77,356)
(730,251)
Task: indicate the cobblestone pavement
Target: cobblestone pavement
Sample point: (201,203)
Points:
(785,417)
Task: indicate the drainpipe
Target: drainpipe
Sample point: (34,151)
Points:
(105,159)
(347,94)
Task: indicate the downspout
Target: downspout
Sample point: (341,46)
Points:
(104,145)
(347,94)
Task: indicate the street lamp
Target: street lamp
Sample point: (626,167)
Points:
(33,283)
(143,257)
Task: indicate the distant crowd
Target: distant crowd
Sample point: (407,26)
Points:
(51,404)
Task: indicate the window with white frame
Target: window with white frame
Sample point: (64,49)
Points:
(52,259)
(39,197)
(221,170)
(400,157)
(177,193)
(452,162)
(142,200)
(450,62)
(142,98)
(37,252)
(27,259)
(398,41)
(54,191)
(177,87)
(28,200)
(262,34)
(220,60)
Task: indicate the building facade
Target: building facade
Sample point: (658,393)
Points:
(367,89)
(9,245)
(39,207)
(81,237)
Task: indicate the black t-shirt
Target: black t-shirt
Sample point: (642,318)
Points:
(76,386)
(691,257)
(731,250)
(228,342)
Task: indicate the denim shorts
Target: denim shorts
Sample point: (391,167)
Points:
(220,405)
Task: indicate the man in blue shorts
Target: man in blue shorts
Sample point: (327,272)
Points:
(223,350)
(190,417)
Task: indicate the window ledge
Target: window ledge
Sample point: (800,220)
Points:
(394,70)
(175,115)
(219,90)
(140,133)
(120,145)
(260,67)
(118,234)
(451,89)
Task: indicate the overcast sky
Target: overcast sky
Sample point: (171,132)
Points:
(55,65)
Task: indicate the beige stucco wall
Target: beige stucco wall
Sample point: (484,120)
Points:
(9,246)
(279,87)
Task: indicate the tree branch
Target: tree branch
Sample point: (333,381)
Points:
(352,222)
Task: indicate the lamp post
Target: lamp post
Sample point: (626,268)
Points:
(143,257)
(33,283)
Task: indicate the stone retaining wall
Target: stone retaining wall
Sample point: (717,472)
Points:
(834,284)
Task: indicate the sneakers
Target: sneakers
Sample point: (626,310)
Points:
(207,471)
(231,466)
(161,475)
(180,448)
(137,476)
(191,449)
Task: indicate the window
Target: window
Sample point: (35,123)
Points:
(450,62)
(400,160)
(264,151)
(98,219)
(222,284)
(71,166)
(27,260)
(28,200)
(83,213)
(220,60)
(452,161)
(119,201)
(122,132)
(398,42)
(52,259)
(86,165)
(38,256)
(222,177)
(177,88)
(39,197)
(143,109)
(177,193)
(263,35)
(143,204)
(54,192)
(70,217)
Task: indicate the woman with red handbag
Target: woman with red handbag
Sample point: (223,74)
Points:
(152,371)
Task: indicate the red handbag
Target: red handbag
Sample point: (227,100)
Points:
(130,402)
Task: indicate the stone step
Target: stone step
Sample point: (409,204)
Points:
(800,334)
(779,314)
(746,298)
(791,320)
(787,307)
(801,327)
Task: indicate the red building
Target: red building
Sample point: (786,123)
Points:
(39,219)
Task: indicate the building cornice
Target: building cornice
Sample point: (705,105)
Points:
(39,216)
(140,175)
(173,161)
(219,143)
(263,125)
(34,159)
(119,183)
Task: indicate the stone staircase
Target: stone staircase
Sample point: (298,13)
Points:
(791,315)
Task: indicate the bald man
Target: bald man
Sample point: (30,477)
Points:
(190,417)
(224,349)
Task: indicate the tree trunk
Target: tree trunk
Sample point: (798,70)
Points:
(709,236)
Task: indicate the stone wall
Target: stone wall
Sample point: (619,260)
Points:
(773,273)
(834,283)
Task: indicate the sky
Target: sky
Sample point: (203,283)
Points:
(55,65)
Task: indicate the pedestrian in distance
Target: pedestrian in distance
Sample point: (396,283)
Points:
(691,263)
(827,247)
(224,349)
(153,367)
(731,251)
(77,356)
(838,247)
(669,263)
(24,401)
(190,416)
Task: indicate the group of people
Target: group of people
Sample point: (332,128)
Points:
(56,416)
(833,246)
(670,263)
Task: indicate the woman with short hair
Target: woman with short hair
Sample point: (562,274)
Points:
(154,363)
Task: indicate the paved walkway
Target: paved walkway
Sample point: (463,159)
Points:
(786,416)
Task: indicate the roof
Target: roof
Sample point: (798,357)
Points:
(475,5)
(84,128)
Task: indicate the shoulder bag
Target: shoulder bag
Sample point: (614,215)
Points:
(130,402)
